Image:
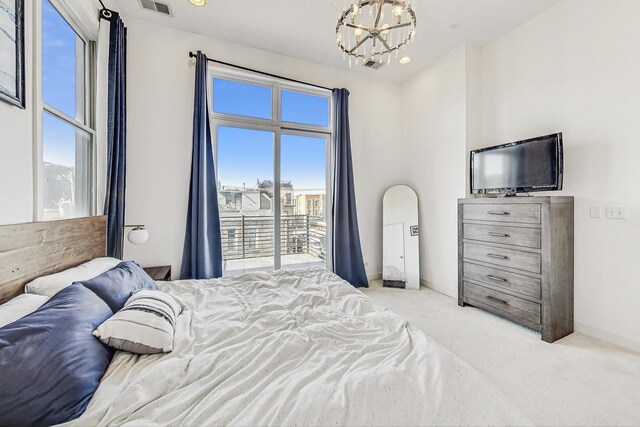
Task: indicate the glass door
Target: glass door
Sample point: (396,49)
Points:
(303,200)
(246,195)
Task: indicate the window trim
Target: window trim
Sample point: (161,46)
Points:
(278,127)
(87,122)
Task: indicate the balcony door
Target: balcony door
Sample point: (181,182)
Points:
(245,198)
(303,214)
(272,155)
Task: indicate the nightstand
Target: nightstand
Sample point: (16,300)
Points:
(161,273)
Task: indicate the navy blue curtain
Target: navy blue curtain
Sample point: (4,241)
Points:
(202,256)
(116,134)
(347,252)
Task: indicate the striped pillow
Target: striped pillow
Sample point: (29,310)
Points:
(145,325)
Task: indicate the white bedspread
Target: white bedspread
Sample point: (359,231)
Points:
(293,348)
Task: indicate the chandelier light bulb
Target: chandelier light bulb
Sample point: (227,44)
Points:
(397,12)
(385,32)
(358,34)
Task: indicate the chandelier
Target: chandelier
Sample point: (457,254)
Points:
(370,30)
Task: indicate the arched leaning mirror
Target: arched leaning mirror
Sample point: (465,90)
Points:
(400,239)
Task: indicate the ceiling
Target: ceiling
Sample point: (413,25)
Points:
(305,29)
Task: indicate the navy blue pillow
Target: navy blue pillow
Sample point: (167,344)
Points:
(50,362)
(116,285)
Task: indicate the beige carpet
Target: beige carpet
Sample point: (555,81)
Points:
(577,380)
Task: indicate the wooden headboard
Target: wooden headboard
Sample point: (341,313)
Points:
(36,249)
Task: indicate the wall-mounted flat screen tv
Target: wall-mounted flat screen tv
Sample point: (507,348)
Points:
(534,164)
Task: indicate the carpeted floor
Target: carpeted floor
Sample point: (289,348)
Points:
(577,380)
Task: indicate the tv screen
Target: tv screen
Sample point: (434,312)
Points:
(531,165)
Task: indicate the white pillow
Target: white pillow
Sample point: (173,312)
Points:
(19,307)
(53,283)
(145,325)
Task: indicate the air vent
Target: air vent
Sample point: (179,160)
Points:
(156,6)
(373,64)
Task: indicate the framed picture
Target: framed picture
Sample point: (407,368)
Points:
(12,52)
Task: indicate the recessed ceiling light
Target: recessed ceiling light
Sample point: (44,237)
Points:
(198,3)
(405,60)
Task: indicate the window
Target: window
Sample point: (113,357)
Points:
(272,150)
(229,98)
(67,140)
(304,108)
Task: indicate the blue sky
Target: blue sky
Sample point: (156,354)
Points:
(58,85)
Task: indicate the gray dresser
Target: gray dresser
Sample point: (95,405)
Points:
(515,259)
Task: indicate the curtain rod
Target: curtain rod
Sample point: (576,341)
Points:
(193,55)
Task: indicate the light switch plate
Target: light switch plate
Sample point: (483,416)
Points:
(595,212)
(616,212)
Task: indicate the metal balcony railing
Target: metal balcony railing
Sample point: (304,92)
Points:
(250,236)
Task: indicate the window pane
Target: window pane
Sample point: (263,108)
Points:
(303,221)
(245,197)
(243,99)
(66,156)
(303,108)
(62,64)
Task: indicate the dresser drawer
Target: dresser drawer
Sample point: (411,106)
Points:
(499,303)
(522,213)
(527,237)
(512,258)
(525,285)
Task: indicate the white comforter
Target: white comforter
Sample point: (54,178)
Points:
(293,348)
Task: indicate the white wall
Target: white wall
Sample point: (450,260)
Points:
(16,146)
(160,107)
(576,69)
(434,129)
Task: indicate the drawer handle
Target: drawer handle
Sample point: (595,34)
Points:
(498,300)
(499,279)
(497,256)
(498,234)
(498,213)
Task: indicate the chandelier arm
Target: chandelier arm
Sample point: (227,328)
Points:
(362,27)
(360,44)
(384,43)
(395,27)
(378,16)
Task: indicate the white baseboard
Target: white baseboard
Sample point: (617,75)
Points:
(607,336)
(375,276)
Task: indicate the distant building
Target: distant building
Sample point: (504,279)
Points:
(287,195)
(256,199)
(310,204)
(232,199)
(59,198)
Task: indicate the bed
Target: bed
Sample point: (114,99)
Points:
(298,347)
